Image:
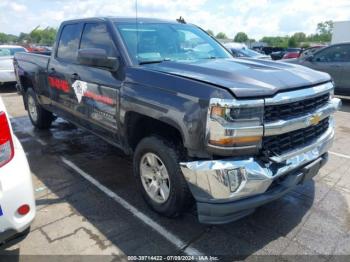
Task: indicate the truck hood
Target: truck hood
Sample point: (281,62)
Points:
(245,78)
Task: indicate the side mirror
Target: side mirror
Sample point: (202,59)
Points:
(309,58)
(97,57)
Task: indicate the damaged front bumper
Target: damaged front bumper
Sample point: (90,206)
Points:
(228,189)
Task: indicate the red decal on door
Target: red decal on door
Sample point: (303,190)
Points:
(100,98)
(59,84)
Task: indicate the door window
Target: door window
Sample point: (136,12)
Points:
(339,53)
(69,42)
(95,35)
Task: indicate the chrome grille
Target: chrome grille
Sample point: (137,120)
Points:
(280,144)
(295,109)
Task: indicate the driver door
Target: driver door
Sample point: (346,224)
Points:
(97,88)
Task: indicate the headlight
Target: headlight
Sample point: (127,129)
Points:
(237,115)
(233,123)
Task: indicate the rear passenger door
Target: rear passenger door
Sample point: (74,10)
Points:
(97,88)
(61,75)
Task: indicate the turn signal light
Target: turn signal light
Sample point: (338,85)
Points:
(230,141)
(218,111)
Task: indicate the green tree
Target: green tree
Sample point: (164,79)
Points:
(210,32)
(42,36)
(276,41)
(8,38)
(305,45)
(292,42)
(221,35)
(241,37)
(23,37)
(299,37)
(324,32)
(3,38)
(325,28)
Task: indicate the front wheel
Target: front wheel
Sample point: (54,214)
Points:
(159,177)
(40,117)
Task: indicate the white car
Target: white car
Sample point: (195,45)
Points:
(7,52)
(17,204)
(242,51)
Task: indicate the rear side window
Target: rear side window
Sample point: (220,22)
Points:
(96,35)
(69,42)
(340,53)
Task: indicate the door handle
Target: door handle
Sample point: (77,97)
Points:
(75,76)
(52,69)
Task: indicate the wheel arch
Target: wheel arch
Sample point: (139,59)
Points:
(138,126)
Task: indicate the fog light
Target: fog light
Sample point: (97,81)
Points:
(236,178)
(23,210)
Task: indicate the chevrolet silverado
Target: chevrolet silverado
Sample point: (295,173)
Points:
(229,134)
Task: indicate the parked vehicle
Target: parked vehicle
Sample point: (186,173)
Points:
(279,54)
(334,60)
(269,49)
(17,205)
(310,51)
(291,55)
(37,48)
(245,52)
(6,62)
(232,134)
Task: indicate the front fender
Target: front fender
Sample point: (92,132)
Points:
(179,102)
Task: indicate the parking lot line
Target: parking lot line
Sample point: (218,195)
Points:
(39,140)
(339,154)
(176,241)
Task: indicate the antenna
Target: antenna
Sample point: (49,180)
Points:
(181,20)
(137,31)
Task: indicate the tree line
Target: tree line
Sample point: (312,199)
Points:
(323,35)
(45,37)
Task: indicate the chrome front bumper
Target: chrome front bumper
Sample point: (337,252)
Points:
(209,180)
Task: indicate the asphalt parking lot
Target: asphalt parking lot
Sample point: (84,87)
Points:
(87,204)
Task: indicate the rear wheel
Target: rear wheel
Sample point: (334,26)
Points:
(159,177)
(40,117)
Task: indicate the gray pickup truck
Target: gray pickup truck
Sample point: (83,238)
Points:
(230,134)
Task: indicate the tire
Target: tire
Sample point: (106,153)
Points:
(40,117)
(179,197)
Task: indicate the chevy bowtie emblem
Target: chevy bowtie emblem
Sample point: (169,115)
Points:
(315,119)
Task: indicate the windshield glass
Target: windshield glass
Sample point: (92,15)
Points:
(249,52)
(176,42)
(309,51)
(10,51)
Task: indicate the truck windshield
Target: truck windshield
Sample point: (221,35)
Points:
(151,43)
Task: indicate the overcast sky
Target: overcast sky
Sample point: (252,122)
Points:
(255,17)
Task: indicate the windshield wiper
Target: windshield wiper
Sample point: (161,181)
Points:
(212,57)
(153,61)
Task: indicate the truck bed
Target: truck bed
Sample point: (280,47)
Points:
(40,60)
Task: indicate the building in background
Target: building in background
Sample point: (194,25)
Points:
(341,32)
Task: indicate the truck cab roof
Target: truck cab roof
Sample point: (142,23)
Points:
(142,20)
